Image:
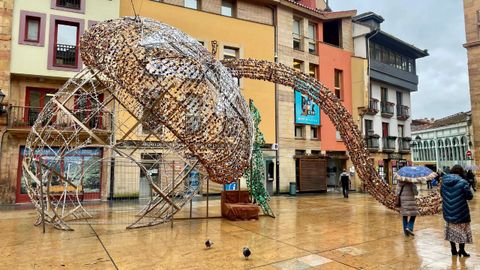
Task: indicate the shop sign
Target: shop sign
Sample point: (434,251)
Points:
(395,156)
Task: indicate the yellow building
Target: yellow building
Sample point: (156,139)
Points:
(44,54)
(241,30)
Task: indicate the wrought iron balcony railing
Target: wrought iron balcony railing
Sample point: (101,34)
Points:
(372,142)
(404,144)
(66,55)
(403,112)
(23,117)
(389,143)
(372,107)
(387,108)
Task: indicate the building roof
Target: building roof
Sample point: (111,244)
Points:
(367,16)
(323,14)
(421,124)
(392,41)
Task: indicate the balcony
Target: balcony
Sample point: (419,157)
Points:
(387,108)
(404,144)
(373,144)
(403,112)
(23,118)
(73,4)
(66,55)
(389,143)
(372,107)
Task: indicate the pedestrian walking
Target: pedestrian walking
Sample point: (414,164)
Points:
(345,181)
(470,177)
(455,194)
(408,206)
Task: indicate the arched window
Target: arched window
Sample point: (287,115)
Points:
(441,150)
(456,149)
(464,147)
(427,150)
(448,149)
(433,149)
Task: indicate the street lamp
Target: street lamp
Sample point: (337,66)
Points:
(2,106)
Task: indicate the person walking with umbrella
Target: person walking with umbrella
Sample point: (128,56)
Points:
(407,190)
(470,177)
(455,194)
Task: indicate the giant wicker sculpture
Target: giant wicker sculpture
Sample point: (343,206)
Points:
(190,104)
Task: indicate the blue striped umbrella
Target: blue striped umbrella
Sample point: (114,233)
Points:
(415,174)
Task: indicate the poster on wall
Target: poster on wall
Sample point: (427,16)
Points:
(306,112)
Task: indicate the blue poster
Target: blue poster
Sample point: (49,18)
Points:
(306,112)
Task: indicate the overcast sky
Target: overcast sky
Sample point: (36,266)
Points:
(437,26)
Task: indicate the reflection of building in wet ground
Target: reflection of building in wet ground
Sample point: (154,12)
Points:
(314,231)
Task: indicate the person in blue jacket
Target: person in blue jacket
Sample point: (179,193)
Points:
(455,193)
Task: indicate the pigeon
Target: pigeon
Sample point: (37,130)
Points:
(246,252)
(208,243)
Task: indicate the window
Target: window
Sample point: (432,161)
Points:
(66,44)
(228,8)
(313,70)
(86,109)
(312,38)
(299,131)
(32,33)
(299,152)
(385,132)
(192,4)
(77,6)
(384,94)
(392,58)
(332,32)
(314,132)
(297,34)
(73,4)
(400,131)
(231,53)
(35,100)
(368,128)
(339,83)
(32,28)
(297,65)
(316,152)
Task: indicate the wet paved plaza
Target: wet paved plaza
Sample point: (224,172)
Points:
(310,232)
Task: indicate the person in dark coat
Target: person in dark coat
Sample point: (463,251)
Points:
(470,177)
(345,180)
(455,193)
(408,206)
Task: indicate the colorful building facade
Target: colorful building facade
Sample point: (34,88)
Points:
(44,54)
(385,75)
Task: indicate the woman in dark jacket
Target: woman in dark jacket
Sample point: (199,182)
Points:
(455,193)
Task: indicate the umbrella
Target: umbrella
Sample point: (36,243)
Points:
(415,174)
(471,168)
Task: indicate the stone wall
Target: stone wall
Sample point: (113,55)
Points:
(7,191)
(472,30)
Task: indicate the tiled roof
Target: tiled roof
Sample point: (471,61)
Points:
(326,14)
(446,121)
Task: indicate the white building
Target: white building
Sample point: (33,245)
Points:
(442,143)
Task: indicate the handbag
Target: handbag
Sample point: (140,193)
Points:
(398,202)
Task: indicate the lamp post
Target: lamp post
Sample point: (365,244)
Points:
(2,96)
